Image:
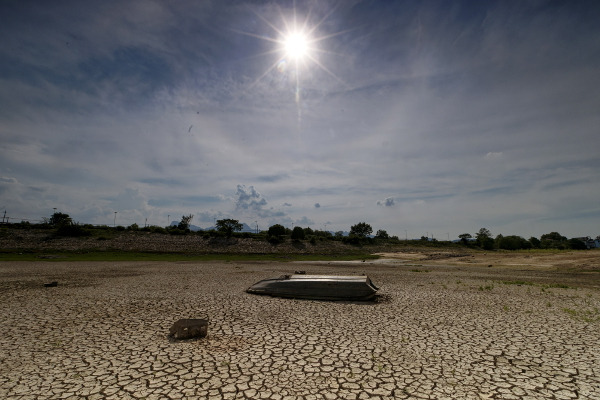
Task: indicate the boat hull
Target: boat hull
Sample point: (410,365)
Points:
(317,287)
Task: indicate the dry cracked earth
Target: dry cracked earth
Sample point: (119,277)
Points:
(435,332)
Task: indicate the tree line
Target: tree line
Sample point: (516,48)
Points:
(359,233)
(553,240)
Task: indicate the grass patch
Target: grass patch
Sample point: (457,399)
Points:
(583,315)
(519,283)
(153,256)
(543,286)
(556,285)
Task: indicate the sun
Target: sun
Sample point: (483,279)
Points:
(296,45)
(296,41)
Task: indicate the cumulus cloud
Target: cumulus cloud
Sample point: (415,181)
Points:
(388,202)
(247,198)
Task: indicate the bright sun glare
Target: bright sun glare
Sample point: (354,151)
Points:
(296,45)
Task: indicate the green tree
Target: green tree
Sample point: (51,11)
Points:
(464,237)
(298,233)
(323,234)
(276,230)
(276,233)
(361,230)
(382,234)
(59,219)
(184,224)
(554,236)
(554,240)
(577,244)
(228,226)
(535,242)
(484,239)
(497,241)
(513,242)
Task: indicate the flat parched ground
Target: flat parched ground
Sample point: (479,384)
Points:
(443,328)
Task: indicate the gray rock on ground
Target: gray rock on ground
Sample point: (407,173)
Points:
(189,329)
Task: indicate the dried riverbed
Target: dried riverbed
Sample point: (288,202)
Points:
(437,331)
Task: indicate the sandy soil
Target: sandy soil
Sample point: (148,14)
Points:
(570,260)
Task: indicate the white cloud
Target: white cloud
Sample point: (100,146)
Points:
(249,198)
(388,202)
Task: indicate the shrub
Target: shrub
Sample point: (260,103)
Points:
(351,239)
(513,242)
(276,234)
(154,229)
(576,244)
(298,233)
(72,230)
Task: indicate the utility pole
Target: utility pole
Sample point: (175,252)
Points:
(115,220)
(4,216)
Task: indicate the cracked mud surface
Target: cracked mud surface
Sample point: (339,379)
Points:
(438,332)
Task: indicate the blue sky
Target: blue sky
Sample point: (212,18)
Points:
(418,117)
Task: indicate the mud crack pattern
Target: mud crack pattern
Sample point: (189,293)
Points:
(440,334)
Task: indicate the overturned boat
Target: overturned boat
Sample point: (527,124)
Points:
(317,287)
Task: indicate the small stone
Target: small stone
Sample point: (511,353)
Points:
(189,328)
